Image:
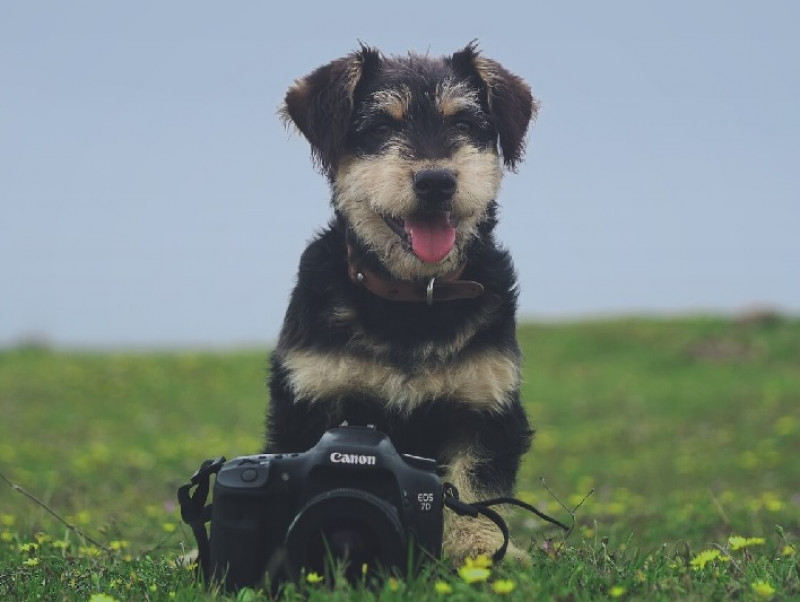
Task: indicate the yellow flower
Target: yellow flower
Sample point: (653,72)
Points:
(102,598)
(7,520)
(473,574)
(503,586)
(788,551)
(82,518)
(89,551)
(738,542)
(31,562)
(762,589)
(169,527)
(42,538)
(28,547)
(394,584)
(314,578)
(481,561)
(703,558)
(617,591)
(6,537)
(118,544)
(442,588)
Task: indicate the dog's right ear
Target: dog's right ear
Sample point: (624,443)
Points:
(321,104)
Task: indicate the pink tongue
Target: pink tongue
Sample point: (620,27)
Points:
(432,236)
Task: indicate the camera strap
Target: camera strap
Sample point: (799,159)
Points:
(194,511)
(452,501)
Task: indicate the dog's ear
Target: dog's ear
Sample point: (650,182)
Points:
(508,97)
(321,104)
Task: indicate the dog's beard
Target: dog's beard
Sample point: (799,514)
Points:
(376,196)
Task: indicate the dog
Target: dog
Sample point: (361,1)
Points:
(403,314)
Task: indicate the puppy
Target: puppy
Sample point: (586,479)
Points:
(403,315)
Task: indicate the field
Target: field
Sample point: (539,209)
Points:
(684,434)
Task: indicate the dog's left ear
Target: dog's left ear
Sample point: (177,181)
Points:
(321,104)
(509,99)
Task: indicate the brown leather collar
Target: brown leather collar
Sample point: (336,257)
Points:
(444,288)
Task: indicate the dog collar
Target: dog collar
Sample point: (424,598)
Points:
(442,288)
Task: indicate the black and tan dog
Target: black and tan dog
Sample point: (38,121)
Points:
(403,315)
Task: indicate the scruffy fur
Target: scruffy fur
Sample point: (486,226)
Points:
(441,380)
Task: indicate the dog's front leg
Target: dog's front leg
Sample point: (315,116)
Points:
(465,536)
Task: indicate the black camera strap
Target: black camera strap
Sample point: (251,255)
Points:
(452,501)
(194,511)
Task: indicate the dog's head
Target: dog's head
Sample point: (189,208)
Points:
(413,146)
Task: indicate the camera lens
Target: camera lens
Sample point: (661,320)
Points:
(347,526)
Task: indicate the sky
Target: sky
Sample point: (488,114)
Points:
(151,197)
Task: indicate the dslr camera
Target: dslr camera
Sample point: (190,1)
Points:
(351,499)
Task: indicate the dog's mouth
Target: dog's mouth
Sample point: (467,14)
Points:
(430,236)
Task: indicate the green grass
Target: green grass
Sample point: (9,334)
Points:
(686,430)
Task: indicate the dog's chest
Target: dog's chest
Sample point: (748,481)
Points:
(483,379)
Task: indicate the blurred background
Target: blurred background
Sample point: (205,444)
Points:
(150,196)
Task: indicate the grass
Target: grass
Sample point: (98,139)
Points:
(686,430)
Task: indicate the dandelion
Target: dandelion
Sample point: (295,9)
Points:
(481,561)
(42,538)
(83,518)
(788,551)
(700,561)
(314,578)
(28,548)
(762,590)
(503,586)
(617,591)
(442,588)
(89,551)
(31,562)
(473,574)
(738,542)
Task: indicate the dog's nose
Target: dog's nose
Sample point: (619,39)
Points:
(435,188)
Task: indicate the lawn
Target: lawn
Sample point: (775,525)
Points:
(685,434)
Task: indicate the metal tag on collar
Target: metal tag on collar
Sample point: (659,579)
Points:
(429,294)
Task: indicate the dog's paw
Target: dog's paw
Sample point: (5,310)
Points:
(472,537)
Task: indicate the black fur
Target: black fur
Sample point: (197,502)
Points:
(331,107)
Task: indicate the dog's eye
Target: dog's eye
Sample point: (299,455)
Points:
(382,130)
(463,127)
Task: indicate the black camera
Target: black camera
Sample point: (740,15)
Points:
(352,499)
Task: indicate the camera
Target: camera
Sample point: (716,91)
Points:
(352,499)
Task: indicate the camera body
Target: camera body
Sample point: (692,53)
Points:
(352,498)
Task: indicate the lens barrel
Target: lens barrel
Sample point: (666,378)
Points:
(346,526)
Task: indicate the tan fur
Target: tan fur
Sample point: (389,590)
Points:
(466,536)
(370,187)
(485,380)
(454,97)
(394,102)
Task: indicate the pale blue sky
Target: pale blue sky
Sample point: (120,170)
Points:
(149,196)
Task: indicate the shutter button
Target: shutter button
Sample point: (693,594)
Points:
(249,475)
